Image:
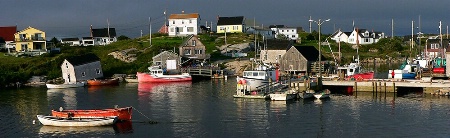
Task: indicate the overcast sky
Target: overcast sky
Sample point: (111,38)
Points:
(72,18)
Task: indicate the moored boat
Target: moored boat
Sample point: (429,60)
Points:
(65,85)
(91,121)
(306,94)
(122,113)
(323,94)
(156,75)
(258,78)
(98,82)
(353,71)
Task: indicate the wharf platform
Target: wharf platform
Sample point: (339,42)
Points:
(380,85)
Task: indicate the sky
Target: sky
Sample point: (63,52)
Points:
(73,18)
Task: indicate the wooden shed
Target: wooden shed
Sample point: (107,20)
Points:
(299,59)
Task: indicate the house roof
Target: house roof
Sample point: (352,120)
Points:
(104,32)
(29,27)
(83,59)
(7,32)
(277,26)
(70,39)
(277,44)
(189,37)
(238,20)
(309,52)
(184,16)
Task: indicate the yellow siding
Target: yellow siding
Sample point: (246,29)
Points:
(31,39)
(230,28)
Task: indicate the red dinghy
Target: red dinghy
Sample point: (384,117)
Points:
(121,113)
(96,82)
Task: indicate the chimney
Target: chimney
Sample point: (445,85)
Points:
(91,32)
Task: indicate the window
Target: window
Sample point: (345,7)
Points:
(173,22)
(194,42)
(67,66)
(287,30)
(97,70)
(235,27)
(282,30)
(190,21)
(83,74)
(265,57)
(179,29)
(182,22)
(222,28)
(293,36)
(190,29)
(279,58)
(187,52)
(366,40)
(172,29)
(198,51)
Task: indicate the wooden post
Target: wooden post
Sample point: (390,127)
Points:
(376,89)
(394,90)
(373,88)
(384,90)
(356,89)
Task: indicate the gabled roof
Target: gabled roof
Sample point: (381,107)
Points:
(29,27)
(277,26)
(70,39)
(104,32)
(83,59)
(184,16)
(238,20)
(7,32)
(185,42)
(309,52)
(278,44)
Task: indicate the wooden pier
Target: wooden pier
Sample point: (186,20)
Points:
(380,85)
(211,72)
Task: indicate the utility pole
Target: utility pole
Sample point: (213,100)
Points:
(150,30)
(392,29)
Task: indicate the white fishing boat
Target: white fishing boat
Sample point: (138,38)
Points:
(258,78)
(65,85)
(283,96)
(92,121)
(323,94)
(156,75)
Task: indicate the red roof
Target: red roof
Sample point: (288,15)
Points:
(7,32)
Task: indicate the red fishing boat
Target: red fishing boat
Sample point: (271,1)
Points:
(156,75)
(121,113)
(98,82)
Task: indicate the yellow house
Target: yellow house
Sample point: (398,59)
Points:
(30,39)
(230,24)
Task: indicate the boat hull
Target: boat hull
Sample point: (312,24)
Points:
(145,77)
(282,96)
(55,121)
(252,84)
(122,113)
(362,76)
(103,82)
(305,95)
(62,86)
(322,96)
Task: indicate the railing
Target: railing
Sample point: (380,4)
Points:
(29,39)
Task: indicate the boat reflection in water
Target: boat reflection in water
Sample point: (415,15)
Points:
(165,86)
(119,127)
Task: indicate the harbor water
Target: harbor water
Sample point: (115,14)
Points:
(208,109)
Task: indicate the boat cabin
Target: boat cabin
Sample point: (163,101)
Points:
(351,69)
(156,70)
(260,75)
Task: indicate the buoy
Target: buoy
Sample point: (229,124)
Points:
(34,122)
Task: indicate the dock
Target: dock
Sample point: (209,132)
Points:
(211,72)
(381,85)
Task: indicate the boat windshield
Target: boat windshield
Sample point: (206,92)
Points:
(254,73)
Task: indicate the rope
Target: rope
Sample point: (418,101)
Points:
(151,122)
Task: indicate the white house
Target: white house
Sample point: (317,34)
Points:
(71,41)
(183,24)
(81,68)
(289,32)
(87,41)
(340,36)
(364,36)
(103,36)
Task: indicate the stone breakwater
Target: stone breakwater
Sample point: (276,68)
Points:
(124,55)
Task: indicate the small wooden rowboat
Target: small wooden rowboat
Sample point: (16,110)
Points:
(99,82)
(121,113)
(55,121)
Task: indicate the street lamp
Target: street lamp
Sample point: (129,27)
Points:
(319,23)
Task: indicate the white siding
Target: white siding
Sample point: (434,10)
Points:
(183,25)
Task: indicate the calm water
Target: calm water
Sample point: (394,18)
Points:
(208,109)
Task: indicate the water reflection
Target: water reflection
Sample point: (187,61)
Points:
(119,127)
(68,95)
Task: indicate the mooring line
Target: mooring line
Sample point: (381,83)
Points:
(150,121)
